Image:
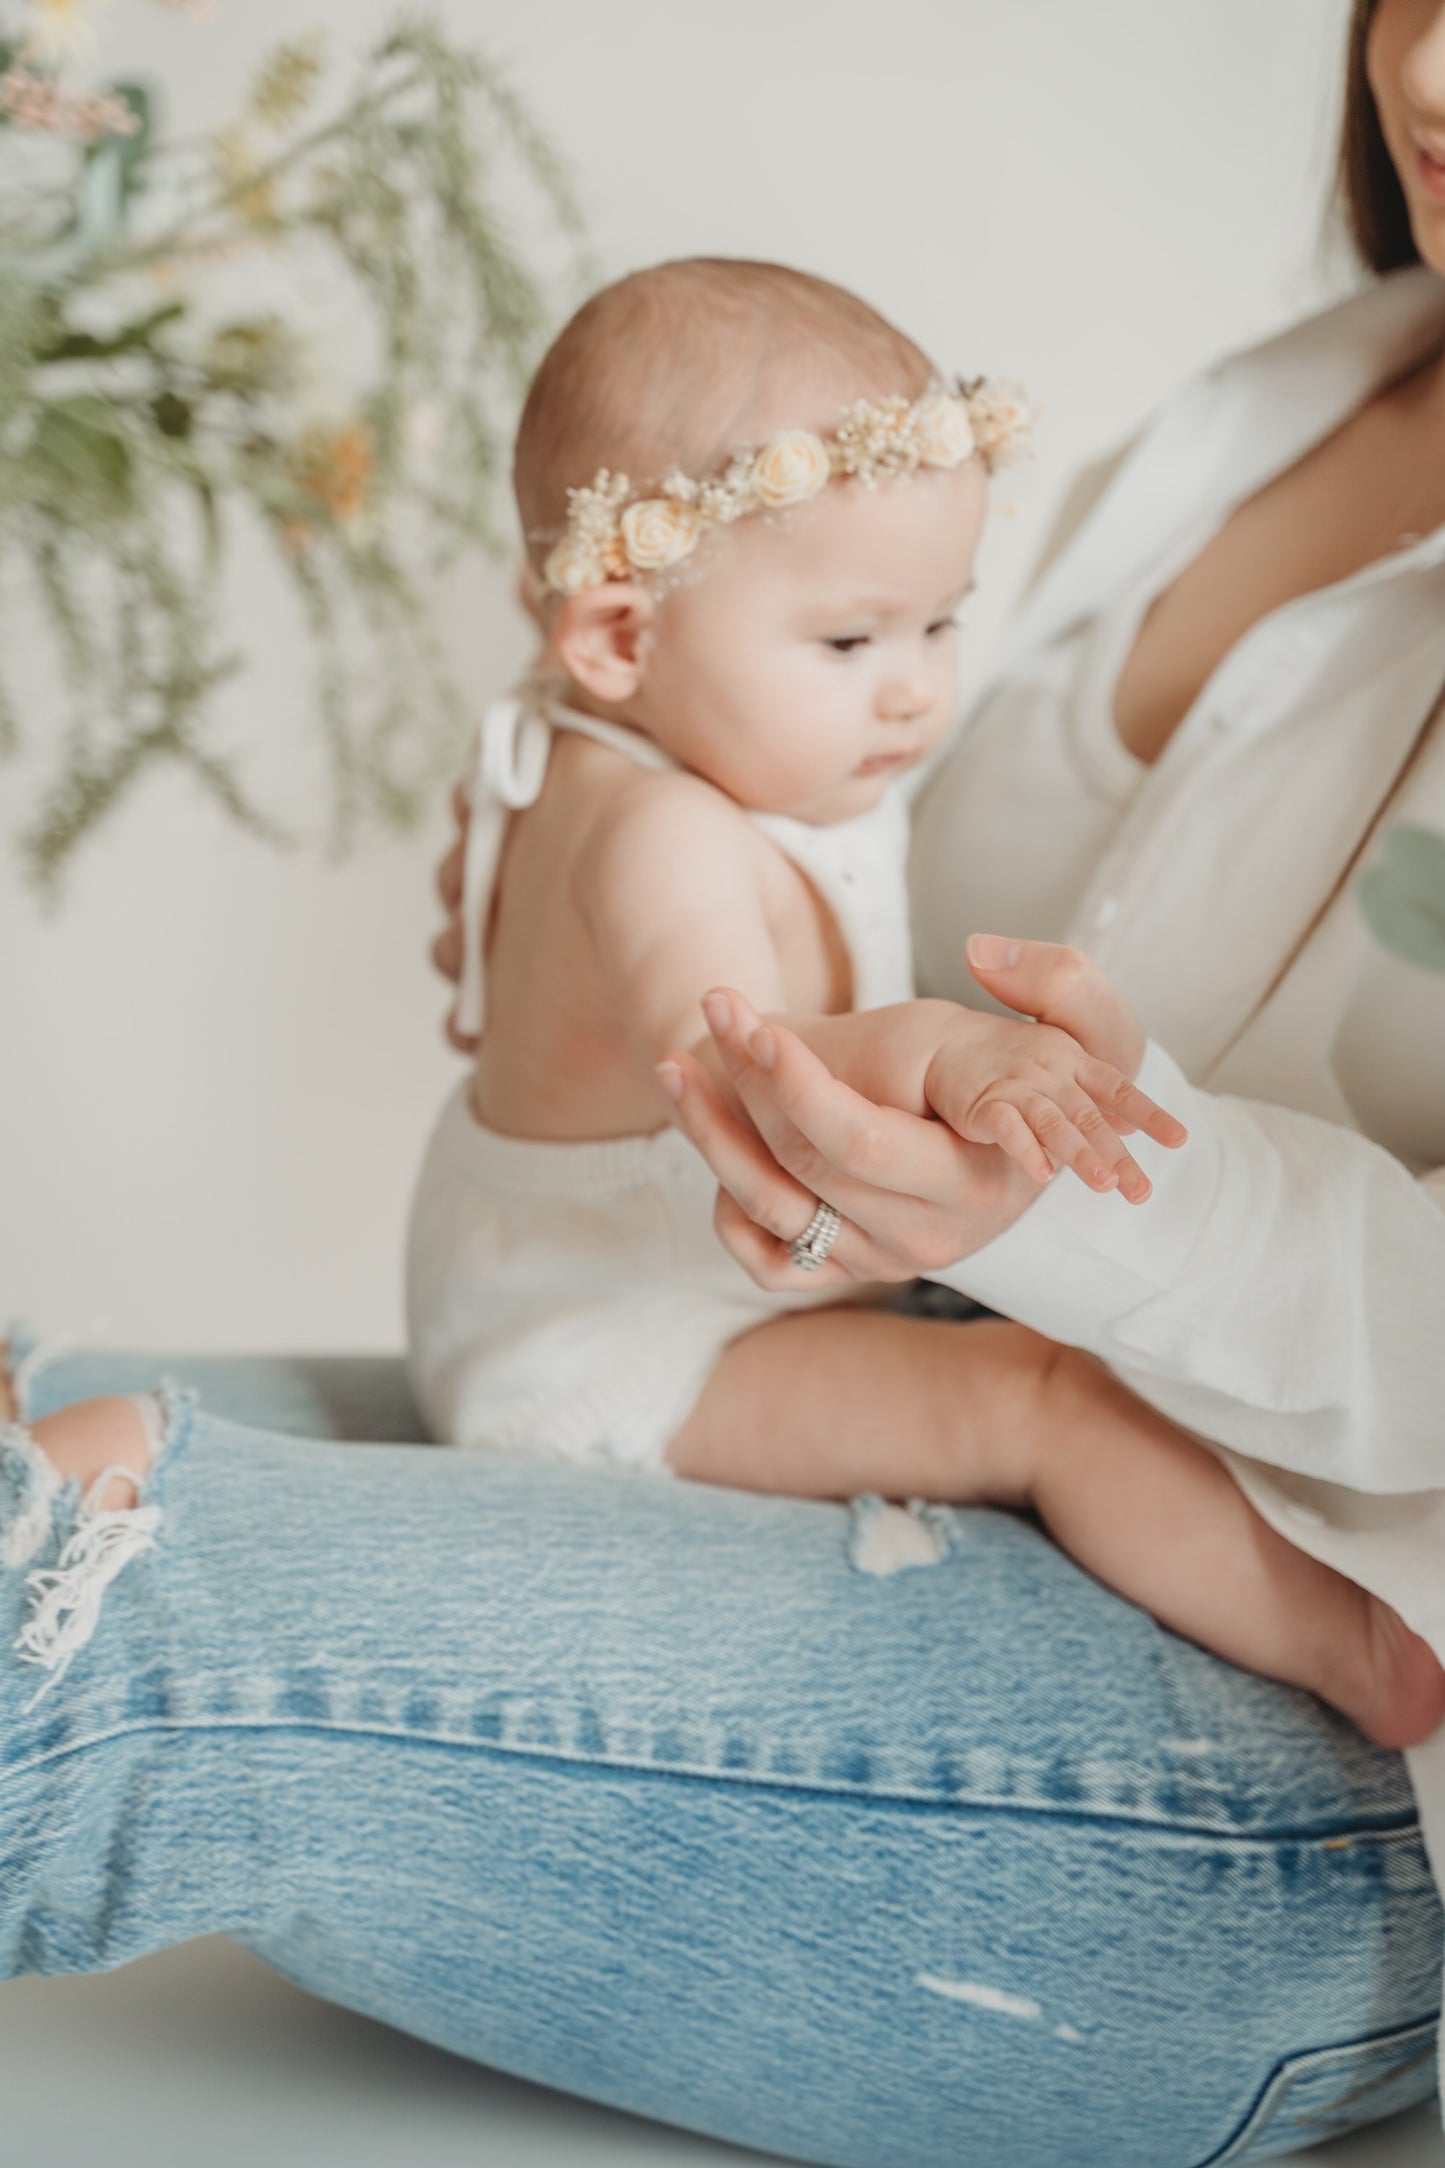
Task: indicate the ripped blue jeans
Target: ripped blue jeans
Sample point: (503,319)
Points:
(895,1847)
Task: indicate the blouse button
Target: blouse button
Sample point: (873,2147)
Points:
(1104,913)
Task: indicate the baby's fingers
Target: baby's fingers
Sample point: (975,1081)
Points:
(1124,1170)
(1057,1140)
(996,1122)
(1125,1104)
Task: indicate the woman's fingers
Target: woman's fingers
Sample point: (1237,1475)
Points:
(1060,986)
(765,1258)
(819,1127)
(446,955)
(771,1199)
(446,951)
(882,1236)
(449,873)
(761,1210)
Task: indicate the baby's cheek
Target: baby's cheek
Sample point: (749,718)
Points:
(810,758)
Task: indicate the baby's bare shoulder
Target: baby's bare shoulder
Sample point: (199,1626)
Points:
(673,823)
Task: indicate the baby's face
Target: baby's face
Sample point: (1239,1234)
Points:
(810,661)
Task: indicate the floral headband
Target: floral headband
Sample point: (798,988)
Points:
(611,534)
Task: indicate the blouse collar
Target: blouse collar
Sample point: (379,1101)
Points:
(1229,432)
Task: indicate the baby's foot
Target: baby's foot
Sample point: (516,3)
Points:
(1403,1697)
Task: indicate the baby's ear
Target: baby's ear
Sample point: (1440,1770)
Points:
(601,638)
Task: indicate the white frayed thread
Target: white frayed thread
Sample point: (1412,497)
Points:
(997,1999)
(887,1539)
(31,1525)
(68,1597)
(982,1998)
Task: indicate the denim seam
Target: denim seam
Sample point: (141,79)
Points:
(1260,2116)
(1191,1834)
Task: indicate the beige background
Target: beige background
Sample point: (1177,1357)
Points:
(218,1066)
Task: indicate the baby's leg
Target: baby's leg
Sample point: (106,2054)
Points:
(838,1401)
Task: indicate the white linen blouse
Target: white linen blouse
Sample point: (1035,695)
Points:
(1282,1294)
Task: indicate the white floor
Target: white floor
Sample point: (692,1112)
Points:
(201,2054)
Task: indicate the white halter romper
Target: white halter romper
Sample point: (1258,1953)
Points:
(571,1299)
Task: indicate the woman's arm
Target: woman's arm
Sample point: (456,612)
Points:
(1283,1294)
(1283,1291)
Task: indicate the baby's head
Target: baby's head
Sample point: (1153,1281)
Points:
(793,642)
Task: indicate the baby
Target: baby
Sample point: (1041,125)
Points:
(752,508)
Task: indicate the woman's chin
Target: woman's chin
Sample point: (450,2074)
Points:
(1427,229)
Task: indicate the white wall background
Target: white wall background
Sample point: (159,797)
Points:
(217,1066)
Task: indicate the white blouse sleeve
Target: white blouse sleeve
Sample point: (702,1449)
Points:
(1282,1292)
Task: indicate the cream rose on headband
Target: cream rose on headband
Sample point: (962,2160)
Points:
(792,468)
(942,432)
(660,532)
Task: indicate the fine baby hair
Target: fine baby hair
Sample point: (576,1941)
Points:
(729,387)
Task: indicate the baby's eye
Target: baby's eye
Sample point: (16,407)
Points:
(846,642)
(944,624)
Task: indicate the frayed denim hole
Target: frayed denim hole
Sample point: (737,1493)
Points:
(885,1539)
(66,1600)
(43,1497)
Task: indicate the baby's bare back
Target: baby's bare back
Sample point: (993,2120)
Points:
(559,1058)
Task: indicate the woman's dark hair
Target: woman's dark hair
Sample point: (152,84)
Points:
(1374,201)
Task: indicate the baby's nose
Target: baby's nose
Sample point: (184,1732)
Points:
(903,699)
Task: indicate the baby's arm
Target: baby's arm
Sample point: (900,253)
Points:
(669,889)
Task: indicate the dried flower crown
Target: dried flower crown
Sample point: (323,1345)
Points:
(612,534)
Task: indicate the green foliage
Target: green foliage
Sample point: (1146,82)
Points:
(137,418)
(1402,896)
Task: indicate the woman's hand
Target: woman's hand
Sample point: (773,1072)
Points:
(446,950)
(913,1194)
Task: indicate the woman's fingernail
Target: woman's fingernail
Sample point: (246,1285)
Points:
(669,1076)
(719,1013)
(763,1047)
(993,952)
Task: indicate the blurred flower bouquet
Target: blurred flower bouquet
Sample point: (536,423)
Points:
(149,402)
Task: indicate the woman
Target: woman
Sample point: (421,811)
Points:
(649,1792)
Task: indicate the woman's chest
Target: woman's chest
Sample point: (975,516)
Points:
(1374,486)
(1224,899)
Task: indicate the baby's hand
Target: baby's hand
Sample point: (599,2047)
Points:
(1066,986)
(1032,1090)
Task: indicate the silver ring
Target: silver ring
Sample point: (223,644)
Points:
(813,1244)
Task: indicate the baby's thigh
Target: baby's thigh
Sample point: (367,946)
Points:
(828,1403)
